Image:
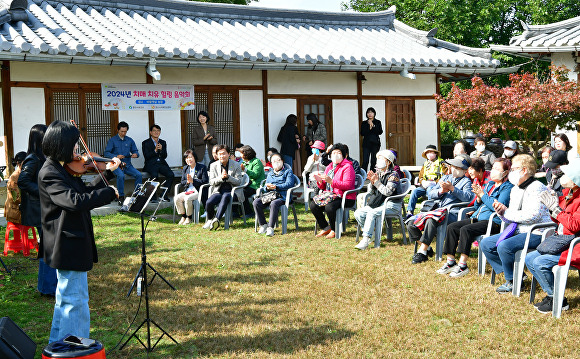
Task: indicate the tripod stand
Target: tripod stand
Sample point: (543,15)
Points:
(143,273)
(4,265)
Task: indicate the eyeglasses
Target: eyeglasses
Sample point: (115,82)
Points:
(515,169)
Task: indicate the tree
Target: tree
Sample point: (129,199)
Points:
(531,105)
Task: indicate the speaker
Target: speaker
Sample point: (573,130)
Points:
(14,343)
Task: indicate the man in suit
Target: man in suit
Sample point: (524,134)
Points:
(224,174)
(123,147)
(155,153)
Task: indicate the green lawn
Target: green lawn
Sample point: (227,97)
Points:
(240,294)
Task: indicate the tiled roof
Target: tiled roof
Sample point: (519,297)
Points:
(563,36)
(184,33)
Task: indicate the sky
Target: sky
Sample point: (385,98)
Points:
(320,5)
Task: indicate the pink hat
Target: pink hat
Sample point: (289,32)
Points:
(319,144)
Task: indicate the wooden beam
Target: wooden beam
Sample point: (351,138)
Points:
(7,113)
(150,113)
(438,90)
(359,98)
(265,110)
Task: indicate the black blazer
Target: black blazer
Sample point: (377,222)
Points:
(28,184)
(200,177)
(151,157)
(68,241)
(287,136)
(371,138)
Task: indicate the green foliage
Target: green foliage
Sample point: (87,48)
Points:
(449,133)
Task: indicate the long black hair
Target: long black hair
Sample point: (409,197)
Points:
(291,120)
(60,140)
(312,117)
(35,140)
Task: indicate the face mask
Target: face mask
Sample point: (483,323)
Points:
(496,175)
(457,173)
(566,182)
(515,177)
(509,153)
(336,159)
(544,160)
(316,151)
(277,165)
(381,163)
(238,154)
(431,156)
(480,148)
(270,159)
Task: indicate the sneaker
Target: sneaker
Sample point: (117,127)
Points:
(181,220)
(548,305)
(419,258)
(262,229)
(187,221)
(203,215)
(121,200)
(539,304)
(505,288)
(363,244)
(214,224)
(270,231)
(447,268)
(207,224)
(165,199)
(459,271)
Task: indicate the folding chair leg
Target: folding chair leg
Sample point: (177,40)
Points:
(481,261)
(560,279)
(389,229)
(533,290)
(284,219)
(403,230)
(518,273)
(295,216)
(337,225)
(492,281)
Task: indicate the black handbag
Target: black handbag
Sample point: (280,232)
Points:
(269,196)
(429,205)
(555,244)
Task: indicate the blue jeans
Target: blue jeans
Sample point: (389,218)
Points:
(288,160)
(415,195)
(502,257)
(71,309)
(121,173)
(46,278)
(541,267)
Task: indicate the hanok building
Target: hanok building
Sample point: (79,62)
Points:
(559,43)
(250,67)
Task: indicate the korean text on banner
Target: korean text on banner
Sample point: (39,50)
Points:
(139,97)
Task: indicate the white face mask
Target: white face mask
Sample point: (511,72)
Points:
(515,177)
(457,173)
(480,148)
(277,165)
(270,159)
(238,154)
(509,153)
(496,175)
(381,163)
(336,158)
(431,156)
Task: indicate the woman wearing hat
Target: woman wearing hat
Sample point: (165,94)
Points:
(385,182)
(483,153)
(430,173)
(370,129)
(510,150)
(564,211)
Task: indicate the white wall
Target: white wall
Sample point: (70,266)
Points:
(425,127)
(27,111)
(380,107)
(43,72)
(138,122)
(196,76)
(312,83)
(396,85)
(170,123)
(278,110)
(252,121)
(566,59)
(345,124)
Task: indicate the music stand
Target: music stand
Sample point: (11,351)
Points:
(137,204)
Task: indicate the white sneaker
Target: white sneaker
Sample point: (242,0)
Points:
(214,224)
(181,220)
(207,224)
(363,244)
(458,272)
(446,269)
(270,231)
(262,229)
(187,221)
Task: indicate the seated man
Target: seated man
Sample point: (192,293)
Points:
(155,153)
(224,174)
(428,176)
(124,148)
(385,182)
(452,188)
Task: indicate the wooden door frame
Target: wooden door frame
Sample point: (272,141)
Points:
(388,100)
(300,102)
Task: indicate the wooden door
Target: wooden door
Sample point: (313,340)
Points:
(400,129)
(322,110)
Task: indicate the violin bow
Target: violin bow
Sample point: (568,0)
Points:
(89,153)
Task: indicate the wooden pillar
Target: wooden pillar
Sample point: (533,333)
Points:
(265,110)
(438,91)
(7,112)
(151,113)
(359,98)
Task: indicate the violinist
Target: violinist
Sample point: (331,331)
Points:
(69,242)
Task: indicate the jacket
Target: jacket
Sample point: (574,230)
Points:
(13,199)
(461,193)
(199,144)
(532,210)
(68,241)
(287,136)
(28,184)
(343,180)
(325,160)
(318,135)
(235,177)
(283,180)
(153,158)
(431,171)
(389,184)
(484,209)
(371,137)
(255,170)
(117,146)
(199,178)
(487,156)
(569,219)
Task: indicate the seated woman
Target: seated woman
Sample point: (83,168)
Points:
(478,174)
(460,235)
(564,211)
(452,188)
(338,177)
(268,162)
(194,175)
(525,209)
(279,179)
(385,182)
(255,171)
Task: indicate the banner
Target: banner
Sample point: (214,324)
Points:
(141,97)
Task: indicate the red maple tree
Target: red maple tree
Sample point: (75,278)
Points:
(529,105)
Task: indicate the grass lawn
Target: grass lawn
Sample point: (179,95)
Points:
(240,294)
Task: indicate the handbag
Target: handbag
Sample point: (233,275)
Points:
(510,230)
(429,205)
(324,198)
(555,244)
(269,196)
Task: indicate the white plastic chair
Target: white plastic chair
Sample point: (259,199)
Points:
(407,175)
(342,213)
(196,204)
(378,225)
(560,279)
(307,191)
(284,209)
(228,218)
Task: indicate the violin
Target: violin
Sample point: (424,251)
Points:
(82,164)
